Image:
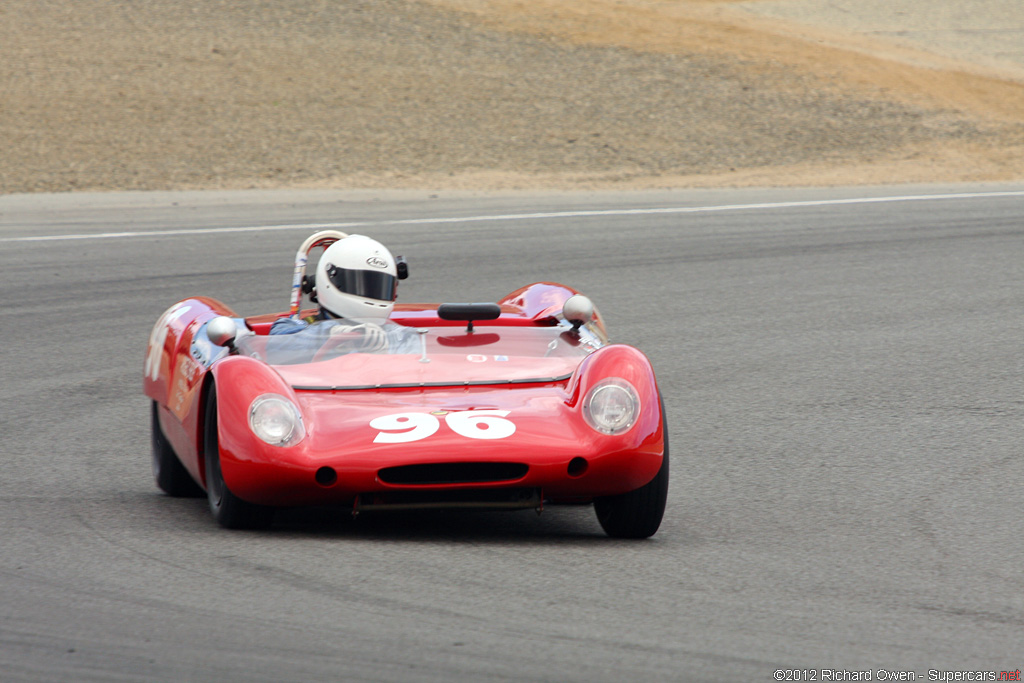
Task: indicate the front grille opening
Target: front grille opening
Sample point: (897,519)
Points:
(481,499)
(453,473)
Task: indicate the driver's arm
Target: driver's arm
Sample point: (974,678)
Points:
(288,326)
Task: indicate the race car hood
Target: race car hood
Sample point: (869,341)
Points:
(361,431)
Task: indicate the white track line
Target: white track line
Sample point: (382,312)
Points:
(516,217)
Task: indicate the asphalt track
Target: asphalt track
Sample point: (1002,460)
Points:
(843,381)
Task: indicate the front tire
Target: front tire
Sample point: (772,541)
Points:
(638,513)
(171,476)
(230,511)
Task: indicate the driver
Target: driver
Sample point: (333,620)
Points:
(355,287)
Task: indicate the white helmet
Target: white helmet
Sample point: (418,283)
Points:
(357,278)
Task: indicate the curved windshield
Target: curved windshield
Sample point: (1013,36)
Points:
(331,354)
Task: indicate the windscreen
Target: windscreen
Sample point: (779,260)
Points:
(329,353)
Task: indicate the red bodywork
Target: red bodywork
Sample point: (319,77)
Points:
(553,451)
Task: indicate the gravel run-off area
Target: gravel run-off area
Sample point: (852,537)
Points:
(482,95)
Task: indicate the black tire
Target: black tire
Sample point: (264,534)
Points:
(638,513)
(170,475)
(230,511)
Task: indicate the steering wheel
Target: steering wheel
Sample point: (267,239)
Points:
(362,338)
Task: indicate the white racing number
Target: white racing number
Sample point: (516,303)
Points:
(158,337)
(472,424)
(481,424)
(404,427)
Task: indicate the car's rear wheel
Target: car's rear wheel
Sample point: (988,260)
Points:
(170,475)
(638,513)
(229,510)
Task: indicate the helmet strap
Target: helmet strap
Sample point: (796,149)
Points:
(329,314)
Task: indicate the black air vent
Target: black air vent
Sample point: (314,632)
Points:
(453,473)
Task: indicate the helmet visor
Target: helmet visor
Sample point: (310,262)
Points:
(370,284)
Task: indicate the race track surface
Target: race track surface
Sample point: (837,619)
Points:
(842,371)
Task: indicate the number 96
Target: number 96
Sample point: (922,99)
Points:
(472,424)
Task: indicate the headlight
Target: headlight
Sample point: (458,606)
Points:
(276,420)
(611,406)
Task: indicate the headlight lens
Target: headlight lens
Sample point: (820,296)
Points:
(276,420)
(611,406)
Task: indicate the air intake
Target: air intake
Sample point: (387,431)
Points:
(453,473)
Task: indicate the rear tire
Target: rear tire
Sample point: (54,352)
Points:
(230,511)
(171,476)
(638,513)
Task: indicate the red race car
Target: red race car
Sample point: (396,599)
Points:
(517,404)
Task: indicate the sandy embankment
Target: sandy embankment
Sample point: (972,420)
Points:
(495,94)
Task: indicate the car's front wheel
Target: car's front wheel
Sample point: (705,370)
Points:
(229,510)
(638,513)
(170,475)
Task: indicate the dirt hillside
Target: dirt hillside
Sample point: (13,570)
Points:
(480,94)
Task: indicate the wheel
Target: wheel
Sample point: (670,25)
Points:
(230,511)
(345,339)
(171,476)
(637,514)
